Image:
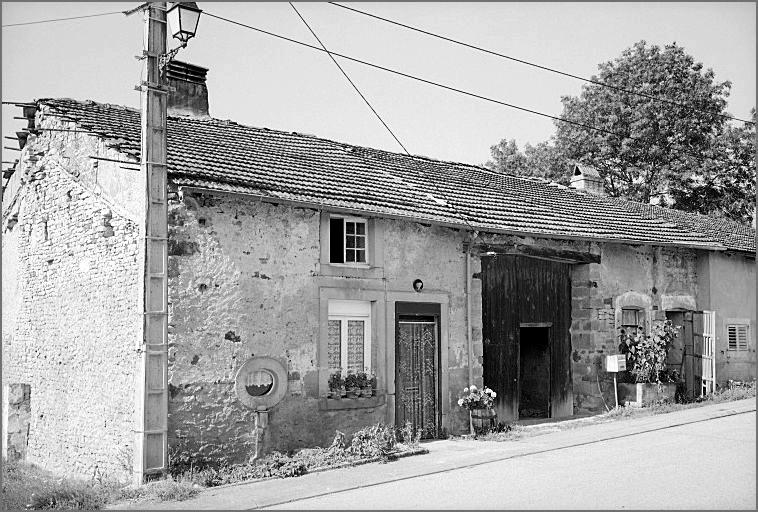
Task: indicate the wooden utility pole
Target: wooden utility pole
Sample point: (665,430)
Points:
(151,444)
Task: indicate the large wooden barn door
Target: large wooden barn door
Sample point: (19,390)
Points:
(521,292)
(500,317)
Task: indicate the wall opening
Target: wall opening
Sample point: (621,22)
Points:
(534,374)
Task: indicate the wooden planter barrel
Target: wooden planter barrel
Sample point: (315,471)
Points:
(482,420)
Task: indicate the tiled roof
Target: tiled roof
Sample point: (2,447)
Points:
(289,166)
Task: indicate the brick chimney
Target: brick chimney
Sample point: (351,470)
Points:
(190,97)
(584,177)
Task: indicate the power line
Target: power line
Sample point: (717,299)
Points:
(63,19)
(436,84)
(433,182)
(413,77)
(538,66)
(349,80)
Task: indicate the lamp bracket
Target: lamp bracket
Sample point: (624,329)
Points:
(169,56)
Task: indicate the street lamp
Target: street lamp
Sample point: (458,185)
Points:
(183,18)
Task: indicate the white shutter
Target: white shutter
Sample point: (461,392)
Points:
(737,337)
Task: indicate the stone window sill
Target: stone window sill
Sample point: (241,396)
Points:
(337,270)
(332,404)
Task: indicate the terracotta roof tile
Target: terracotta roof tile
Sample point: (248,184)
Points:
(225,155)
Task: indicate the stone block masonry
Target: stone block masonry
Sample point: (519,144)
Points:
(74,325)
(627,276)
(16,417)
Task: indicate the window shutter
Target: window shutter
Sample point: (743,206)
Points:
(630,317)
(737,337)
(336,240)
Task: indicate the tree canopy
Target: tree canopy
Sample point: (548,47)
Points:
(682,152)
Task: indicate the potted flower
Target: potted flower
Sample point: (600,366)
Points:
(365,383)
(371,384)
(352,384)
(336,385)
(479,403)
(361,381)
(646,364)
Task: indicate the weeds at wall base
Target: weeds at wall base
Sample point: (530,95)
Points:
(26,486)
(374,443)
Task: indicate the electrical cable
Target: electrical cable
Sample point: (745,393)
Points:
(447,201)
(443,86)
(349,80)
(538,66)
(62,19)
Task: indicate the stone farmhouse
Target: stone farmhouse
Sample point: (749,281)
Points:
(292,257)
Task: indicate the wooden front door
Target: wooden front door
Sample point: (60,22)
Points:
(417,370)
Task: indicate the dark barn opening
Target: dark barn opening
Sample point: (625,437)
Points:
(534,381)
(526,306)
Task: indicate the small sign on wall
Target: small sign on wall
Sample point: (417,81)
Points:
(615,363)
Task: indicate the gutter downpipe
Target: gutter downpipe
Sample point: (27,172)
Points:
(469,344)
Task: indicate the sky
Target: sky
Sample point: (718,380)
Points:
(261,81)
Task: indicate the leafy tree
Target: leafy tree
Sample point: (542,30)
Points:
(681,153)
(723,187)
(542,160)
(645,144)
(546,161)
(507,158)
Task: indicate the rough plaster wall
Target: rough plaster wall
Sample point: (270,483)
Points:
(732,296)
(77,322)
(243,282)
(435,255)
(241,285)
(649,276)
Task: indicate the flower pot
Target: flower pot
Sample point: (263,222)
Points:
(482,420)
(367,392)
(354,392)
(641,393)
(335,394)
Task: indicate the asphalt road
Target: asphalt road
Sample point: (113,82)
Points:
(704,465)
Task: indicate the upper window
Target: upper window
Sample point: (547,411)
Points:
(737,336)
(632,319)
(349,335)
(348,240)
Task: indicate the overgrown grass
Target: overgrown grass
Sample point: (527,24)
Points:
(26,486)
(377,442)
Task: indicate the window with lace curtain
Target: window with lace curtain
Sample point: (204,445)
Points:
(349,335)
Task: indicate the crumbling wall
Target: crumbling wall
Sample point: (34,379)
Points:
(17,414)
(74,321)
(244,281)
(650,278)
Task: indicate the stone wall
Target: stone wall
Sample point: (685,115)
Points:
(17,414)
(652,279)
(72,323)
(245,280)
